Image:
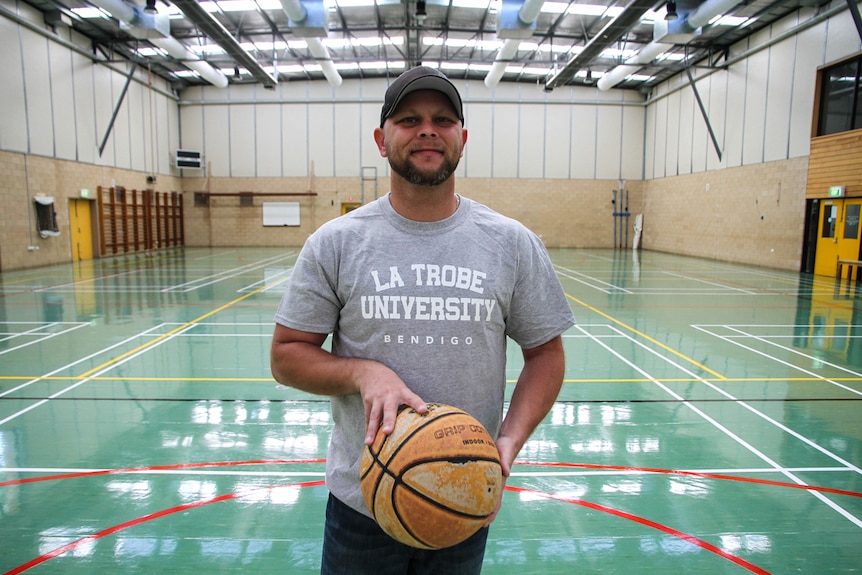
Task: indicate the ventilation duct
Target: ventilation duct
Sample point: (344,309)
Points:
(665,35)
(515,22)
(155,28)
(308,21)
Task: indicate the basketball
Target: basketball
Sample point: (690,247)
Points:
(435,480)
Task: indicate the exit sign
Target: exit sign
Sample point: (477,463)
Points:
(836,192)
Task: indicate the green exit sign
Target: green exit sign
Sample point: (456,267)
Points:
(836,192)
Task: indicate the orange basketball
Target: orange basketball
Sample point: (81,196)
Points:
(435,480)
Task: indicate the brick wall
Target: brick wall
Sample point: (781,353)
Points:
(752,214)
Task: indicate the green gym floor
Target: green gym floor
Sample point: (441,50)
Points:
(710,422)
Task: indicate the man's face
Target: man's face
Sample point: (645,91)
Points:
(423,139)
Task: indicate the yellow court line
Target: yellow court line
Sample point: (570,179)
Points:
(646,337)
(174,331)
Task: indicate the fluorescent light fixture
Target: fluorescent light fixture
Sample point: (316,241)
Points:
(210,7)
(297,44)
(535,71)
(186,74)
(350,3)
(90,13)
(269,4)
(671,57)
(638,77)
(237,5)
(269,46)
(148,52)
(722,20)
(585,9)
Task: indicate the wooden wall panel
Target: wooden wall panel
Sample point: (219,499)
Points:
(834,161)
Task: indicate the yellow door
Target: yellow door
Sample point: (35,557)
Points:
(838,234)
(81,230)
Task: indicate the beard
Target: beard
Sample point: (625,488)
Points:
(413,175)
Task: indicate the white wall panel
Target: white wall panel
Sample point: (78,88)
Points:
(87,147)
(320,129)
(121,131)
(531,141)
(671,136)
(717,110)
(609,130)
(505,141)
(242,140)
(583,139)
(651,115)
(808,58)
(370,156)
(63,102)
(191,120)
(558,141)
(37,81)
(167,122)
(735,114)
(103,105)
(216,140)
(268,140)
(632,160)
(13,120)
(755,108)
(685,133)
(137,102)
(294,127)
(478,152)
(346,135)
(700,141)
(779,93)
(842,38)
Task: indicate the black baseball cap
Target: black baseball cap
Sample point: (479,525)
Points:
(420,78)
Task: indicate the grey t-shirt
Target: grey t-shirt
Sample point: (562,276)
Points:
(434,301)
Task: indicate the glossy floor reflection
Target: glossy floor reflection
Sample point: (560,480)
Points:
(711,421)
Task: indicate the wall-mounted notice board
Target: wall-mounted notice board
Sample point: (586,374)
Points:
(281,213)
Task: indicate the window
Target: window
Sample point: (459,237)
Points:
(46,217)
(840,91)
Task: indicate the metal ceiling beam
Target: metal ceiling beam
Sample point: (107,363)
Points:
(220,35)
(612,32)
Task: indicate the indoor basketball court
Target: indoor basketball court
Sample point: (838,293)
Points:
(708,423)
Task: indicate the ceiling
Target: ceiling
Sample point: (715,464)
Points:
(561,43)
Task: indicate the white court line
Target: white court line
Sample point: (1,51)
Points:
(77,361)
(86,379)
(788,364)
(714,284)
(612,288)
(42,339)
(223,275)
(846,514)
(238,472)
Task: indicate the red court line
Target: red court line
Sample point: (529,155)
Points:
(720,476)
(649,523)
(171,510)
(143,519)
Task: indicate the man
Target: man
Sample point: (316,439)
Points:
(420,290)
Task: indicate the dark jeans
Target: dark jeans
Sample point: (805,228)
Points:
(353,544)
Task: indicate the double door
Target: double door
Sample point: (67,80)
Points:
(837,234)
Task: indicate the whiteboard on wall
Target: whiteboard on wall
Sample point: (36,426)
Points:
(281,213)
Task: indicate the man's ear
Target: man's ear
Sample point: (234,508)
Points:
(379,139)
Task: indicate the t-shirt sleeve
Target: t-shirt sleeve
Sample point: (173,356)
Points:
(539,310)
(310,302)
